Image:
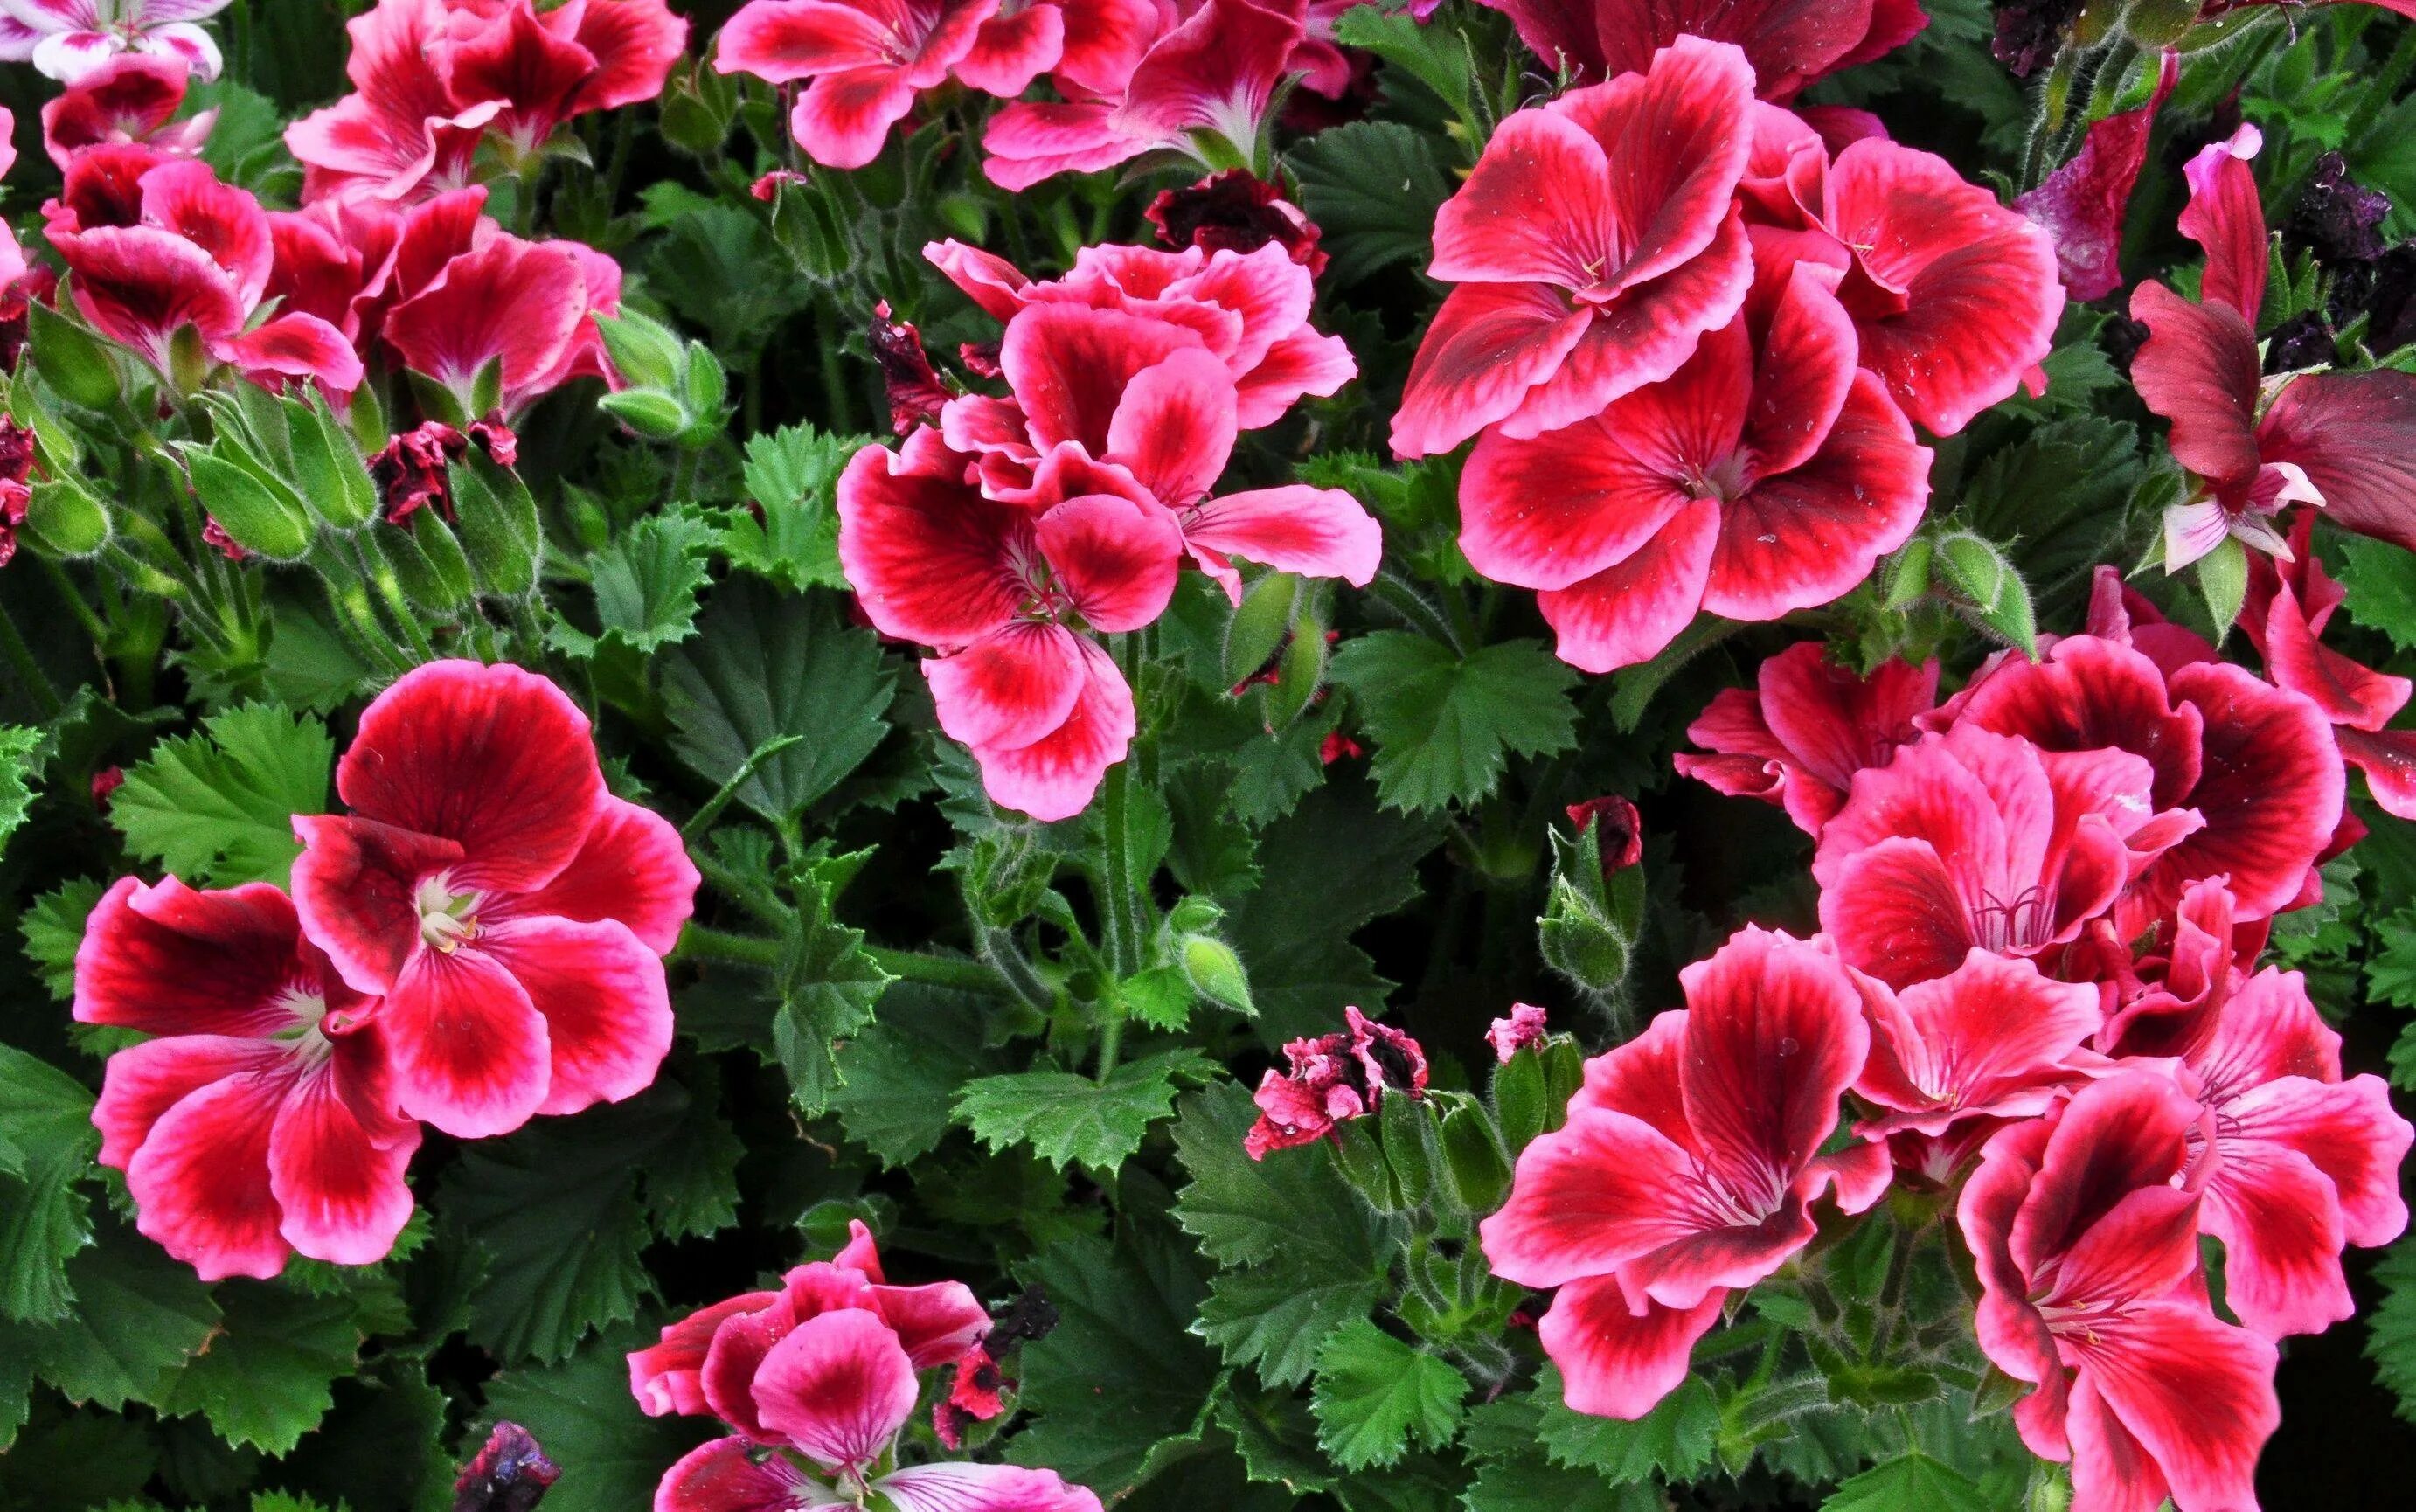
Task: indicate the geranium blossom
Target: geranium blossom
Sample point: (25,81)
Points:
(1214,74)
(1248,307)
(511,911)
(2286,606)
(1790,44)
(1797,738)
(1978,839)
(2343,441)
(531,305)
(157,244)
(1992,1040)
(2256,763)
(129,99)
(2082,203)
(256,1121)
(1334,1079)
(1592,247)
(1762,477)
(1235,211)
(432,78)
(2084,1226)
(1687,1168)
(818,1378)
(67,40)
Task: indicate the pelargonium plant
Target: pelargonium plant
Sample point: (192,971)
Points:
(1368,755)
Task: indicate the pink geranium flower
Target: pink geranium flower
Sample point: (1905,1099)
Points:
(2257,763)
(1593,246)
(432,78)
(1332,1080)
(255,1123)
(818,1378)
(2287,604)
(511,911)
(1764,476)
(1522,1030)
(157,244)
(1797,738)
(1249,308)
(1688,1168)
(1216,75)
(1975,839)
(129,99)
(531,305)
(1790,44)
(1992,1040)
(2343,441)
(67,40)
(2084,1224)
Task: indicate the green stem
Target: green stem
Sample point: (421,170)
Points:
(1402,598)
(704,944)
(756,900)
(74,599)
(746,769)
(29,672)
(938,971)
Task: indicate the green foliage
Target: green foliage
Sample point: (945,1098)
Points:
(1377,1397)
(216,808)
(1372,187)
(1445,725)
(1674,1440)
(580,1411)
(47,1142)
(1068,1119)
(2378,587)
(792,475)
(268,1374)
(19,748)
(54,928)
(899,1078)
(645,583)
(1909,1483)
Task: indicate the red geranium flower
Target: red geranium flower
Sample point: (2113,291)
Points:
(1790,43)
(1332,1080)
(818,1378)
(2344,441)
(255,1123)
(1762,477)
(156,244)
(512,911)
(2287,607)
(132,97)
(1991,1040)
(1975,839)
(1593,246)
(1688,1168)
(532,303)
(2257,763)
(1797,738)
(2084,1224)
(1248,307)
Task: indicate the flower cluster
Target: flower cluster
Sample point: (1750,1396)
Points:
(2041,905)
(1694,332)
(997,534)
(479,940)
(816,1381)
(70,39)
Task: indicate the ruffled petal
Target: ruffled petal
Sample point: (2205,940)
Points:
(170,959)
(607,1010)
(2198,368)
(1627,613)
(968,1487)
(935,1324)
(1116,559)
(1591,1197)
(632,867)
(2196,1393)
(1613,1362)
(728,1475)
(839,1386)
(1555,510)
(1537,208)
(1486,346)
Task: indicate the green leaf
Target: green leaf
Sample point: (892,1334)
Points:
(2378,587)
(47,1143)
(1443,725)
(1674,1440)
(828,984)
(139,1317)
(1119,1376)
(769,665)
(1436,57)
(17,768)
(1377,1395)
(899,1078)
(217,808)
(1910,1482)
(646,584)
(555,1209)
(269,1375)
(792,475)
(1373,188)
(1513,1474)
(691,1178)
(1073,1120)
(53,926)
(2391,1327)
(1275,1319)
(581,1415)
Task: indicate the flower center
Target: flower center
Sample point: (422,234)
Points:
(447,919)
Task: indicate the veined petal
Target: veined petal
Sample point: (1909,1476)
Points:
(1555,510)
(839,1386)
(171,960)
(201,1183)
(336,1158)
(469,1049)
(970,1488)
(1591,1197)
(1615,1363)
(1011,687)
(355,888)
(1486,346)
(1054,776)
(631,867)
(1627,613)
(600,991)
(728,1475)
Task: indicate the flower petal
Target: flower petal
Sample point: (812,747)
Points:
(1011,687)
(336,1158)
(608,1013)
(1054,776)
(1627,613)
(355,887)
(632,867)
(839,1387)
(1615,1363)
(1115,558)
(469,1049)
(199,1182)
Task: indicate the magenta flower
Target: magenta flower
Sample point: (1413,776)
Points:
(1586,267)
(1993,1039)
(1797,738)
(133,98)
(1522,1030)
(1688,1168)
(255,1123)
(67,40)
(1332,1080)
(512,913)
(2084,1223)
(1766,475)
(1790,44)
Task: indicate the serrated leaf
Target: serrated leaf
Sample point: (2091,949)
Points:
(46,1128)
(899,1078)
(17,766)
(1074,1120)
(1910,1483)
(1513,1475)
(768,665)
(1674,1440)
(216,808)
(1445,725)
(1373,188)
(792,475)
(645,583)
(1120,1376)
(1269,1317)
(1377,1395)
(269,1375)
(2391,1327)
(581,1415)
(828,984)
(139,1317)
(53,926)
(2378,587)
(691,1177)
